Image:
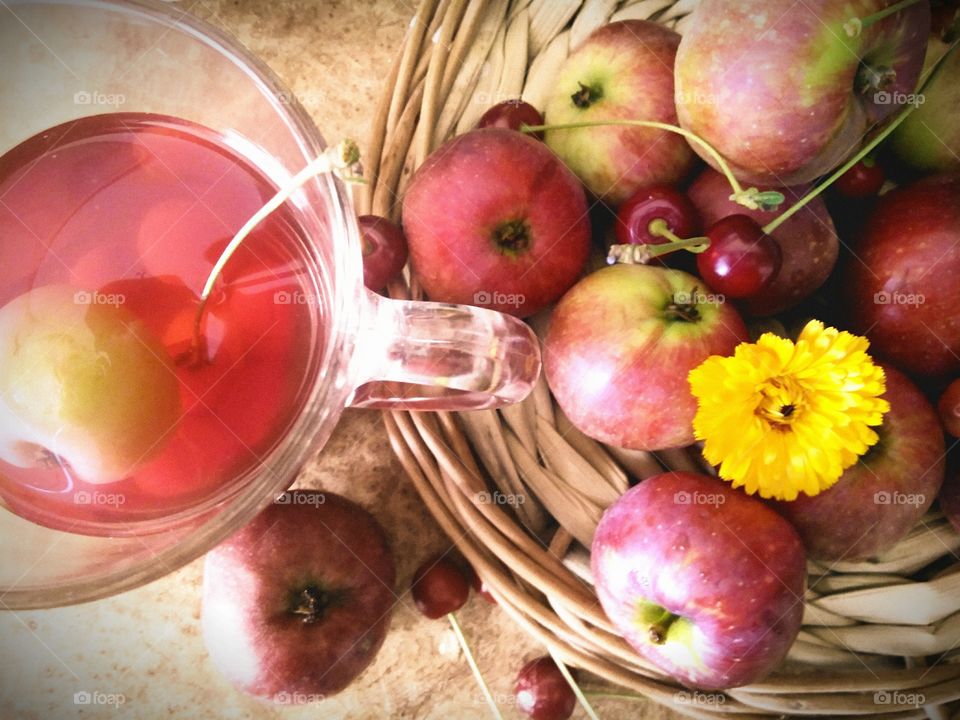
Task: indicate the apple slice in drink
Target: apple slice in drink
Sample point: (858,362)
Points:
(83,383)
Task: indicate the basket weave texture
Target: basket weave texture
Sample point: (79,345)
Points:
(880,638)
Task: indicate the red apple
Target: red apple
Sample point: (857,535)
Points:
(808,241)
(620,346)
(876,502)
(702,580)
(902,286)
(297,603)
(782,91)
(493,218)
(623,71)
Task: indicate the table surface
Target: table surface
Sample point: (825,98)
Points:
(145,646)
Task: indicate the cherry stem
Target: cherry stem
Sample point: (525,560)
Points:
(750,198)
(854,26)
(342,159)
(642,253)
(581,697)
(458,631)
(866,150)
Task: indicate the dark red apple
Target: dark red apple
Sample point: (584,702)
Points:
(783,91)
(876,502)
(493,218)
(297,603)
(619,348)
(702,580)
(808,241)
(902,284)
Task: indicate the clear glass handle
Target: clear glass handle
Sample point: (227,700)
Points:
(435,356)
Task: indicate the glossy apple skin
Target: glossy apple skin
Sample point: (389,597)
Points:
(949,407)
(771,84)
(632,63)
(929,140)
(472,185)
(910,246)
(808,241)
(249,581)
(618,365)
(866,512)
(725,562)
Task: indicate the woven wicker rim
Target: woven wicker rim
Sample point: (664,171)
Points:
(874,628)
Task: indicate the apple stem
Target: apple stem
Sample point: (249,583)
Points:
(866,150)
(484,688)
(750,198)
(581,697)
(855,26)
(342,159)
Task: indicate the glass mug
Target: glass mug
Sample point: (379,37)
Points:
(373,352)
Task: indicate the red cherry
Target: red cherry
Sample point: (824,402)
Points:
(541,691)
(861,181)
(479,586)
(440,587)
(658,202)
(512,114)
(741,259)
(949,407)
(384,250)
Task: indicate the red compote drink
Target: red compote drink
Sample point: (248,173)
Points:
(109,228)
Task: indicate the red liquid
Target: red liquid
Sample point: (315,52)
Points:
(142,206)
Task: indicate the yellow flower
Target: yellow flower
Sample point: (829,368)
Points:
(781,418)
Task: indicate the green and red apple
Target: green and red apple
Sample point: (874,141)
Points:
(82,382)
(623,71)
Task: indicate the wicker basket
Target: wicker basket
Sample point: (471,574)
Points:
(876,639)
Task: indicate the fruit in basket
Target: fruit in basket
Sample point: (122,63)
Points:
(623,71)
(620,345)
(783,91)
(949,406)
(643,217)
(741,260)
(439,587)
(297,603)
(82,383)
(542,692)
(702,580)
(808,241)
(949,497)
(929,140)
(493,218)
(512,114)
(876,502)
(902,288)
(384,250)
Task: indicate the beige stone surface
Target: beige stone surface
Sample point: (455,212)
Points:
(144,648)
